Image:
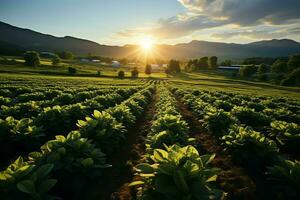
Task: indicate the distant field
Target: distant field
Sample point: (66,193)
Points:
(221,83)
(83,69)
(204,80)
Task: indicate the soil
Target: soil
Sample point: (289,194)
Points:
(117,178)
(232,179)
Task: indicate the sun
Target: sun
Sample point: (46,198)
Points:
(147,42)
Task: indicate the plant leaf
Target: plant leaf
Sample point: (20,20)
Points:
(26,186)
(46,185)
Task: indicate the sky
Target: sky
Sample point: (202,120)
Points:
(120,22)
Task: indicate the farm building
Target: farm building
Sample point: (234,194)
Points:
(115,64)
(229,68)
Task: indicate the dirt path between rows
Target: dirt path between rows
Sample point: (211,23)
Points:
(117,178)
(232,179)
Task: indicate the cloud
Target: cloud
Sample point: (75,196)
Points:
(210,14)
(260,32)
(294,31)
(251,34)
(196,5)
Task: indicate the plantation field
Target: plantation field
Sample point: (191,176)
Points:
(15,65)
(191,136)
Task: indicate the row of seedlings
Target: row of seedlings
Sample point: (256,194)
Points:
(67,165)
(172,167)
(237,131)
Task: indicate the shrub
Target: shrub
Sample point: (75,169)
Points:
(72,70)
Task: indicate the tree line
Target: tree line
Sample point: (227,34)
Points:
(282,71)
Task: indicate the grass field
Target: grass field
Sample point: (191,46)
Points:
(83,69)
(208,80)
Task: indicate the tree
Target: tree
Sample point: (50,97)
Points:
(213,62)
(55,60)
(124,61)
(148,69)
(65,55)
(32,58)
(134,73)
(191,65)
(226,63)
(121,74)
(279,66)
(173,66)
(293,79)
(203,62)
(248,70)
(72,70)
(98,73)
(294,62)
(262,69)
(262,60)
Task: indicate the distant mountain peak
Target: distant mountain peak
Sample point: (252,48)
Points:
(26,39)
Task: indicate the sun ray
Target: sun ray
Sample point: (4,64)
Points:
(147,42)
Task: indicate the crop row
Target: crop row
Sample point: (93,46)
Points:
(77,160)
(281,126)
(252,137)
(32,108)
(27,134)
(38,82)
(173,168)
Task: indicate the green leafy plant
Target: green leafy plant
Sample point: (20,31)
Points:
(104,129)
(170,123)
(249,117)
(287,134)
(39,183)
(217,121)
(250,148)
(285,179)
(123,114)
(23,179)
(159,140)
(70,154)
(177,173)
(19,130)
(53,120)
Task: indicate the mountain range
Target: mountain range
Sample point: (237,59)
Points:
(14,39)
